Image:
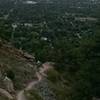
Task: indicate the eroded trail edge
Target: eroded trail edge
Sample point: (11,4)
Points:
(40,75)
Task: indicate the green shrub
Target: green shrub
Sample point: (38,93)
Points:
(53,76)
(33,95)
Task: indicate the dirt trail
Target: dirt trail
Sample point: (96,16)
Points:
(45,67)
(7,94)
(21,95)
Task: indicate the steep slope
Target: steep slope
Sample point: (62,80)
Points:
(30,82)
(18,63)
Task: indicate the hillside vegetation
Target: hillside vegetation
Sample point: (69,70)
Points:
(50,49)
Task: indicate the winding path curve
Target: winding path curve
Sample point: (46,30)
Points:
(21,95)
(45,67)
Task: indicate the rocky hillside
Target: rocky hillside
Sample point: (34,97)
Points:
(13,61)
(29,82)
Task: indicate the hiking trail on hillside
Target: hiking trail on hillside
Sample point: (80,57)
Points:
(40,75)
